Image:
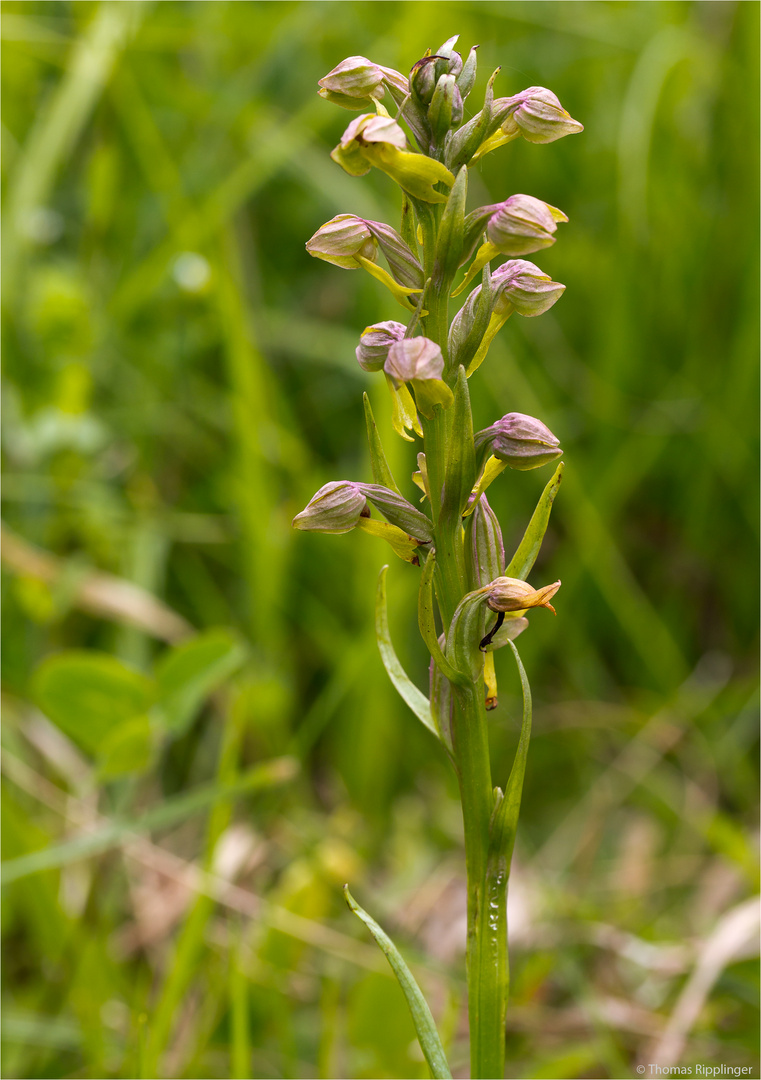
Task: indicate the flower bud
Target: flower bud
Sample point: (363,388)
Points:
(399,512)
(423,79)
(522,224)
(336,508)
(522,286)
(357,83)
(375,342)
(342,238)
(419,361)
(355,78)
(512,594)
(341,505)
(467,77)
(484,550)
(523,442)
(538,116)
(448,61)
(416,358)
(445,110)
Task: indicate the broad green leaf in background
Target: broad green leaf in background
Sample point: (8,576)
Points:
(187,674)
(90,694)
(126,749)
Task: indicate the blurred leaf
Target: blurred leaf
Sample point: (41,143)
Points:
(89,694)
(187,674)
(126,749)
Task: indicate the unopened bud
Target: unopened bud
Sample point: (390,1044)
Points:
(512,594)
(485,550)
(419,362)
(445,110)
(538,116)
(356,78)
(523,286)
(375,342)
(467,77)
(416,358)
(340,506)
(522,224)
(342,238)
(423,79)
(357,83)
(336,508)
(448,61)
(523,442)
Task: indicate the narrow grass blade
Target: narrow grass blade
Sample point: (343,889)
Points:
(528,549)
(428,1036)
(404,686)
(171,811)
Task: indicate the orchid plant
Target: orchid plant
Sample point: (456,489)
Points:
(471,600)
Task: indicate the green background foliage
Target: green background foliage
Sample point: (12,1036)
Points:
(180,379)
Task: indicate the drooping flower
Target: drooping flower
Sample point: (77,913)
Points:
(377,140)
(523,442)
(357,83)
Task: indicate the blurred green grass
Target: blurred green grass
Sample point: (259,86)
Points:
(180,379)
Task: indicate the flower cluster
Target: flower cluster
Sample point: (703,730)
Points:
(427,150)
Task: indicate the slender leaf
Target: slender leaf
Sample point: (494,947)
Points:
(528,549)
(404,686)
(428,1036)
(381,471)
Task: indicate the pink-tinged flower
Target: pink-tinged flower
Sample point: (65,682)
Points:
(340,240)
(416,358)
(537,115)
(523,442)
(522,286)
(356,83)
(375,342)
(522,224)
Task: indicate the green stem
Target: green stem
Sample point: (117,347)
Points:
(487,918)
